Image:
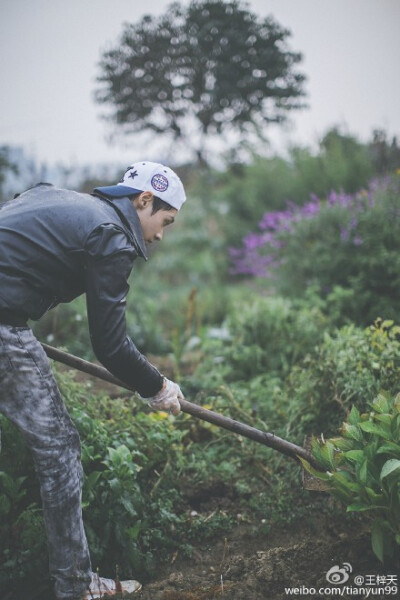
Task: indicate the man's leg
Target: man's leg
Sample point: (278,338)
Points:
(29,397)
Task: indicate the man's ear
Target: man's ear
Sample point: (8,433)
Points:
(143,200)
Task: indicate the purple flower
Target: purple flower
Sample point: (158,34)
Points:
(310,209)
(344,234)
(260,253)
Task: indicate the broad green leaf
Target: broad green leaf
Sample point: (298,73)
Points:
(389,448)
(319,474)
(354,416)
(350,486)
(356,455)
(370,427)
(352,431)
(390,467)
(384,418)
(127,504)
(380,404)
(342,443)
(387,324)
(377,535)
(328,454)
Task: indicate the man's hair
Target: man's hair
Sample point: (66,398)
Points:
(159,204)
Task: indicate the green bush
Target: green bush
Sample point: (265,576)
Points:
(283,365)
(363,470)
(260,336)
(349,366)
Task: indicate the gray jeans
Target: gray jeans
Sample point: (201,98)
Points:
(30,398)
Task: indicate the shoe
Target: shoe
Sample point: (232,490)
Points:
(101,587)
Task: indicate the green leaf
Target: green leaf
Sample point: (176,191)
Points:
(352,431)
(395,426)
(363,472)
(127,504)
(380,404)
(354,416)
(328,454)
(91,479)
(377,535)
(344,479)
(361,507)
(115,484)
(384,418)
(356,455)
(342,443)
(134,531)
(319,474)
(389,448)
(387,324)
(390,467)
(374,496)
(370,427)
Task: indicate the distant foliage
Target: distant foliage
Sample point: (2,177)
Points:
(347,241)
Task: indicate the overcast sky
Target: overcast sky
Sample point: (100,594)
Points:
(50,51)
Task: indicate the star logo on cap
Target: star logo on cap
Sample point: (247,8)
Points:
(133,174)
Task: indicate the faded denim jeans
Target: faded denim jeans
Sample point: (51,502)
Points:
(30,398)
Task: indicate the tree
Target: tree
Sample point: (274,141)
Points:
(384,155)
(200,70)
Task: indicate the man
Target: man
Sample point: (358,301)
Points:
(55,245)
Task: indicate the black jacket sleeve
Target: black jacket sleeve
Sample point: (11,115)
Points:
(109,260)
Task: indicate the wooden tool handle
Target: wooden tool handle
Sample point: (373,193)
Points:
(262,437)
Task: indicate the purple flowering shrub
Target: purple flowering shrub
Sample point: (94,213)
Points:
(345,241)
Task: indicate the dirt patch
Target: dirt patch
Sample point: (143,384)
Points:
(245,566)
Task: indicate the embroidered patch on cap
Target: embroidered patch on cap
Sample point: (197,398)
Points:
(159,182)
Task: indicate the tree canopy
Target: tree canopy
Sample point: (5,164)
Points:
(200,70)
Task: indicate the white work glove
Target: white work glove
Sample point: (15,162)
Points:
(167,398)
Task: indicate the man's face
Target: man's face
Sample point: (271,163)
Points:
(153,225)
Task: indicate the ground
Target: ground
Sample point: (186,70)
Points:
(245,566)
(248,566)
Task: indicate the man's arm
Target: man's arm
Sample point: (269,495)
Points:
(109,259)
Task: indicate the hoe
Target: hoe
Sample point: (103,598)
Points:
(262,437)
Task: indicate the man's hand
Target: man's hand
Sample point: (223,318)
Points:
(167,398)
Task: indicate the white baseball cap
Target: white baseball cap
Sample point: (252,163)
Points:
(143,176)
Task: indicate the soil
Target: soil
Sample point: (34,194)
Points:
(244,566)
